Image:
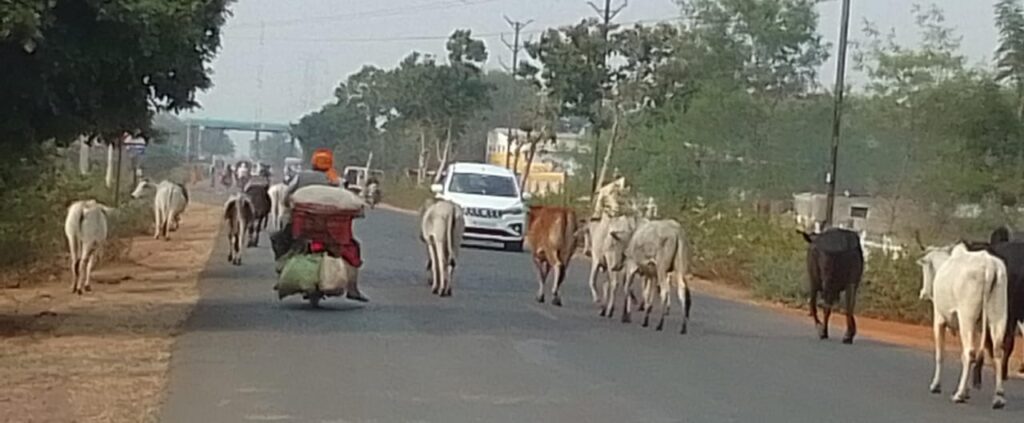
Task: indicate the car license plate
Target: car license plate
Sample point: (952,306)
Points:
(483,223)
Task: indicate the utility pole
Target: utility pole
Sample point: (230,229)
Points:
(837,112)
(607,14)
(515,46)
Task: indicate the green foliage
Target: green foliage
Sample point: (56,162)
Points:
(98,67)
(36,201)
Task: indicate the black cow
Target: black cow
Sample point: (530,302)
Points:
(1010,248)
(260,199)
(835,264)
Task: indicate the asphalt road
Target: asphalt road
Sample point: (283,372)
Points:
(491,354)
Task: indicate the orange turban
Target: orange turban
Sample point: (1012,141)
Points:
(323,161)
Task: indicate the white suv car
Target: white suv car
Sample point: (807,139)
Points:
(490,198)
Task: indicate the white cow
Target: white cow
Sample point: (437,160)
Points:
(86,230)
(168,205)
(441,228)
(278,208)
(972,286)
(238,214)
(659,253)
(609,237)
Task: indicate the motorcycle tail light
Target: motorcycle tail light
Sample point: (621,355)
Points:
(316,246)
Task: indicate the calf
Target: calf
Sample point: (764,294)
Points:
(835,264)
(261,203)
(441,227)
(238,214)
(659,253)
(551,235)
(86,230)
(972,286)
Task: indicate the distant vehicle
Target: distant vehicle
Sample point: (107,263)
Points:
(356,177)
(491,200)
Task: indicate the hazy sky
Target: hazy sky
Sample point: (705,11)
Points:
(308,46)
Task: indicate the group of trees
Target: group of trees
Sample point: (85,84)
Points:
(95,70)
(722,103)
(415,113)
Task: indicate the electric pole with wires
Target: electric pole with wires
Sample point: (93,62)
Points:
(606,14)
(515,46)
(837,112)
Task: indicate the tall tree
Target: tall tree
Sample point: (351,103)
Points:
(73,67)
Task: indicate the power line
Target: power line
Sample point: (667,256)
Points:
(607,14)
(400,38)
(376,13)
(514,46)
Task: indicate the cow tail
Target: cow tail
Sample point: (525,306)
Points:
(450,232)
(1000,279)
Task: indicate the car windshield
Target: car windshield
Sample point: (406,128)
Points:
(475,183)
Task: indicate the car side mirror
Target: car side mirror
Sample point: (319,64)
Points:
(436,188)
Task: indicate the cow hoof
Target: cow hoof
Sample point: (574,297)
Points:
(641,307)
(959,398)
(682,330)
(603,312)
(660,327)
(556,301)
(434,291)
(646,322)
(935,389)
(626,319)
(88,288)
(822,335)
(357,297)
(540,299)
(998,403)
(848,340)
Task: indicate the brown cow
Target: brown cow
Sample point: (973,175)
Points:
(551,236)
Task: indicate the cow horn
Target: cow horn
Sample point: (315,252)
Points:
(917,238)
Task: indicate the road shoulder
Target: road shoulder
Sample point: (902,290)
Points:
(103,356)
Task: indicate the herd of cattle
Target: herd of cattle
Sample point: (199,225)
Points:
(975,287)
(623,247)
(981,285)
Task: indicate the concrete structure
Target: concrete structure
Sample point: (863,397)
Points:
(551,166)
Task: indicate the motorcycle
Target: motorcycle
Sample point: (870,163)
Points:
(321,242)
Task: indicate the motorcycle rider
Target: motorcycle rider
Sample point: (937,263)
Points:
(322,173)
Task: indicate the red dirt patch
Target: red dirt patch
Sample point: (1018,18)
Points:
(102,357)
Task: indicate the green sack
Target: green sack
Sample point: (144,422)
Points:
(301,274)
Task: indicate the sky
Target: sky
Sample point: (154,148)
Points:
(281,59)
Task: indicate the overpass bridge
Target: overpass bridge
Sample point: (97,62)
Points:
(257,128)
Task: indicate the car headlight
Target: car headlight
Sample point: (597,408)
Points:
(515,211)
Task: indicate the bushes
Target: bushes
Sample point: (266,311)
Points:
(734,246)
(404,193)
(37,194)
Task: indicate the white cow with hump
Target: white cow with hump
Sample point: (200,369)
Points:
(168,205)
(608,240)
(969,286)
(86,230)
(659,253)
(441,227)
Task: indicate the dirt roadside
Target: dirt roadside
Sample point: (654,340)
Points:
(104,356)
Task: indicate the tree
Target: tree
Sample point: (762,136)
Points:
(216,142)
(1010,65)
(73,67)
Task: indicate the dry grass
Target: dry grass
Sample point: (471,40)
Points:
(102,357)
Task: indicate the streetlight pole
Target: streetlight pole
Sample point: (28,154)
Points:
(837,112)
